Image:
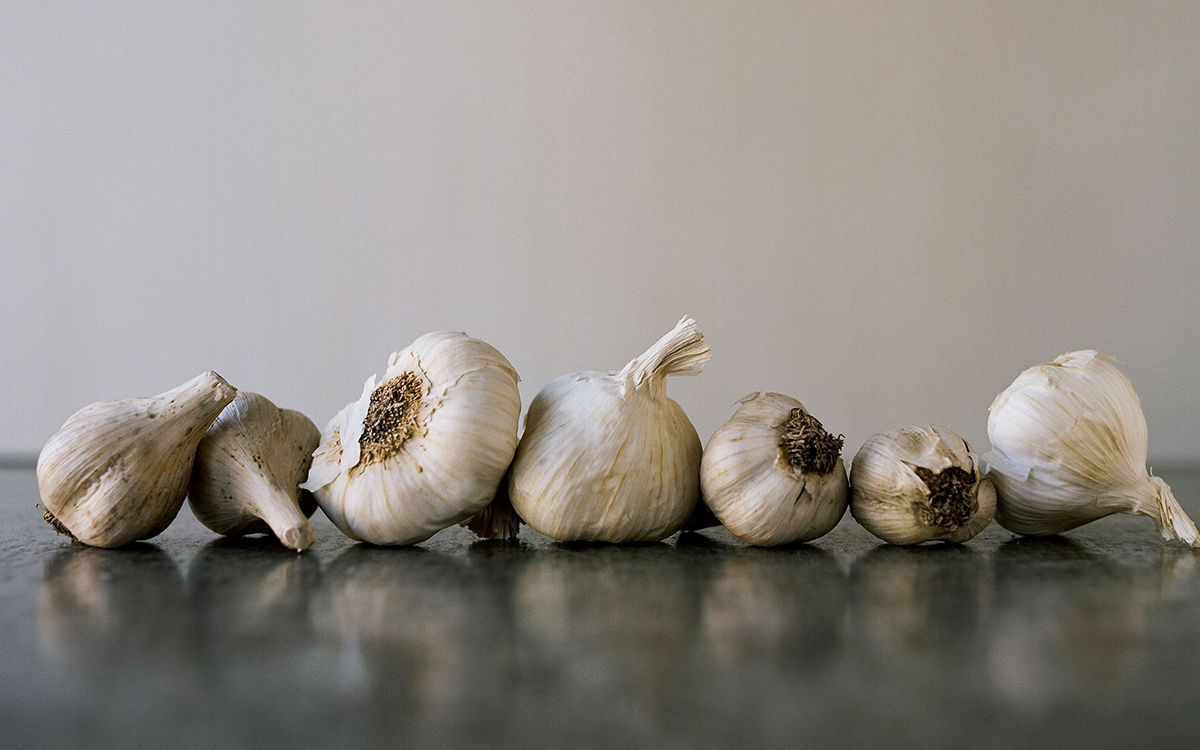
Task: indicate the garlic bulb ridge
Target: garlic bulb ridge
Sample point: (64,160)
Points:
(773,474)
(248,470)
(1069,446)
(423,449)
(117,471)
(607,456)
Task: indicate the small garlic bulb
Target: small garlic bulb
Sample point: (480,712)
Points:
(607,456)
(117,471)
(1069,445)
(920,484)
(424,449)
(772,474)
(248,472)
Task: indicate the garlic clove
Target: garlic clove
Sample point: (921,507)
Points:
(117,471)
(1069,446)
(248,471)
(772,474)
(920,484)
(607,456)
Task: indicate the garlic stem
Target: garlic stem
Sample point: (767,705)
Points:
(682,351)
(278,508)
(1172,521)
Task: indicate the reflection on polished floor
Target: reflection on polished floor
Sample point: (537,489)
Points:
(197,641)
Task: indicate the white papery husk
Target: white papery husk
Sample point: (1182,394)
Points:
(448,469)
(752,488)
(1069,445)
(607,456)
(890,500)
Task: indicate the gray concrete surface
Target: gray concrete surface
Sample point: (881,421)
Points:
(1087,640)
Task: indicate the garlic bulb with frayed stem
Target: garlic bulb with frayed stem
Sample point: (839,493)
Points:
(607,456)
(248,471)
(117,471)
(1069,446)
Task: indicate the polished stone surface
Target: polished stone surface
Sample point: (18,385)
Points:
(1087,640)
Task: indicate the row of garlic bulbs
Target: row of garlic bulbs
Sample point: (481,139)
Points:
(604,457)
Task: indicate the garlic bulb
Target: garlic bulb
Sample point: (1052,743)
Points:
(920,484)
(424,449)
(608,457)
(772,474)
(248,470)
(117,471)
(1069,446)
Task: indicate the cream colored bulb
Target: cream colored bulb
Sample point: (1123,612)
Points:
(920,484)
(117,471)
(248,472)
(772,474)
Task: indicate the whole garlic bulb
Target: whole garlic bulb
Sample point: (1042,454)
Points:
(607,456)
(772,474)
(1069,445)
(424,449)
(919,484)
(117,471)
(248,472)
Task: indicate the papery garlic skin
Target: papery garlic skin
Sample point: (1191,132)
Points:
(246,479)
(761,494)
(117,471)
(1069,445)
(919,484)
(424,449)
(607,456)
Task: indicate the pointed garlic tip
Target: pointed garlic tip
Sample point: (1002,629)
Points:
(117,471)
(496,521)
(773,474)
(1069,446)
(920,484)
(248,472)
(682,351)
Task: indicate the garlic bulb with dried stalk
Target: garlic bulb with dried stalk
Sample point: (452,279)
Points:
(424,449)
(920,484)
(1069,445)
(773,474)
(248,472)
(117,471)
(607,456)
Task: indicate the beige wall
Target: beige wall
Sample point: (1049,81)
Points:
(884,209)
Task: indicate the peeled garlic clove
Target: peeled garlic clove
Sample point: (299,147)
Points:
(920,484)
(608,457)
(117,471)
(248,472)
(1069,445)
(424,449)
(772,474)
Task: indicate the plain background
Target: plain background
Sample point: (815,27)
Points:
(887,210)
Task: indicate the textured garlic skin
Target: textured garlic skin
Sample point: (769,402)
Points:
(117,471)
(248,470)
(752,487)
(607,456)
(890,499)
(461,436)
(1069,445)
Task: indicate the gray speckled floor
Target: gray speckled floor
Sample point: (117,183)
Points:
(1087,640)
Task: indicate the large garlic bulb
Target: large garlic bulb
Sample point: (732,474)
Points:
(117,471)
(248,472)
(772,474)
(1069,446)
(919,484)
(607,456)
(424,449)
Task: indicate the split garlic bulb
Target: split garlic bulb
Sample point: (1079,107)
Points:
(248,472)
(117,471)
(772,474)
(424,449)
(920,484)
(607,456)
(1069,446)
